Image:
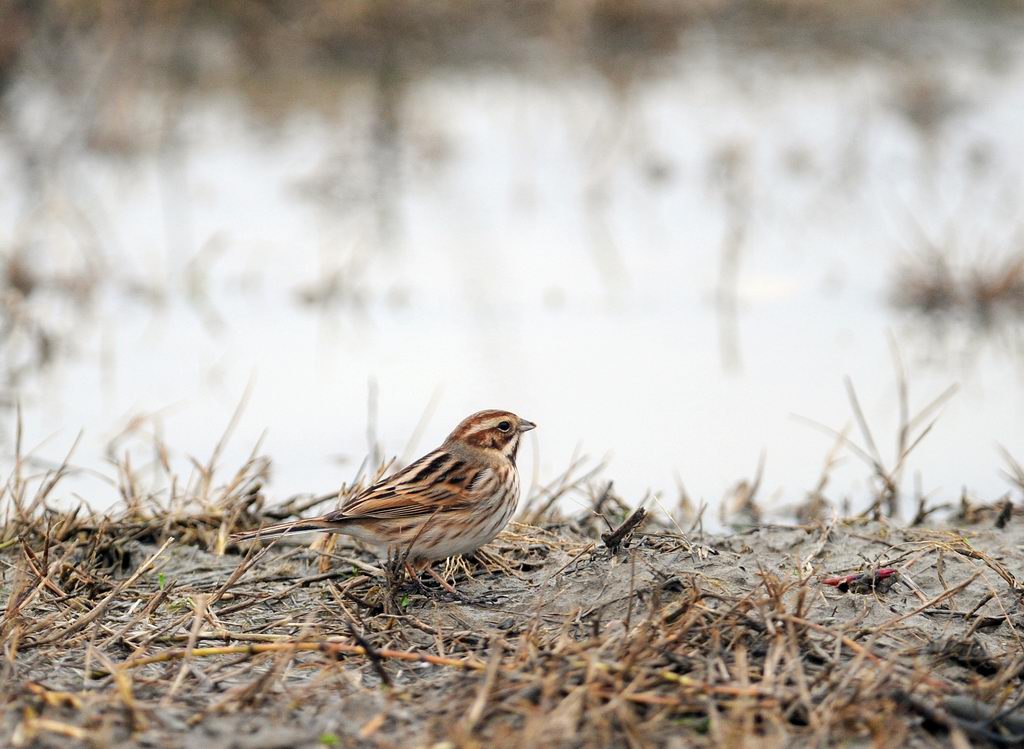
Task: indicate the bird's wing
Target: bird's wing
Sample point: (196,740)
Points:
(437,482)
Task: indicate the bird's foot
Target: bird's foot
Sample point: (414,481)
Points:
(447,592)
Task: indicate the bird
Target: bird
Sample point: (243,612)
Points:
(451,501)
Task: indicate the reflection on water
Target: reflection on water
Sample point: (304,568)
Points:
(659,262)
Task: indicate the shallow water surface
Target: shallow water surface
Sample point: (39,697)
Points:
(661,267)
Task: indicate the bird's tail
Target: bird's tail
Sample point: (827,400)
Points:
(282,529)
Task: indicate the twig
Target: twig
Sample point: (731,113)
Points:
(331,648)
(615,538)
(371,653)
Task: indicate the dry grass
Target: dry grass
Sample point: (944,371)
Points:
(983,292)
(144,625)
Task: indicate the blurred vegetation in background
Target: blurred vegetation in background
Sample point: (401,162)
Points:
(184,38)
(121,72)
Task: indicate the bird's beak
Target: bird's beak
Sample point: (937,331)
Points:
(526,426)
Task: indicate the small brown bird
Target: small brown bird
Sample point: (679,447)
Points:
(451,501)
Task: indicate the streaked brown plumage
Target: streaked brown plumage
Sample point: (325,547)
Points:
(451,501)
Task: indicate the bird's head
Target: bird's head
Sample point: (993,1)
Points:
(492,430)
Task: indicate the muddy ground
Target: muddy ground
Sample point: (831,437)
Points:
(553,639)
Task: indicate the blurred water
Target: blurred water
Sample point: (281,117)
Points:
(661,266)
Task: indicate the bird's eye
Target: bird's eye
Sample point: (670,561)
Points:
(504,426)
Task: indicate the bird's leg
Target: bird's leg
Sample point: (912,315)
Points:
(442,582)
(414,576)
(414,570)
(450,589)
